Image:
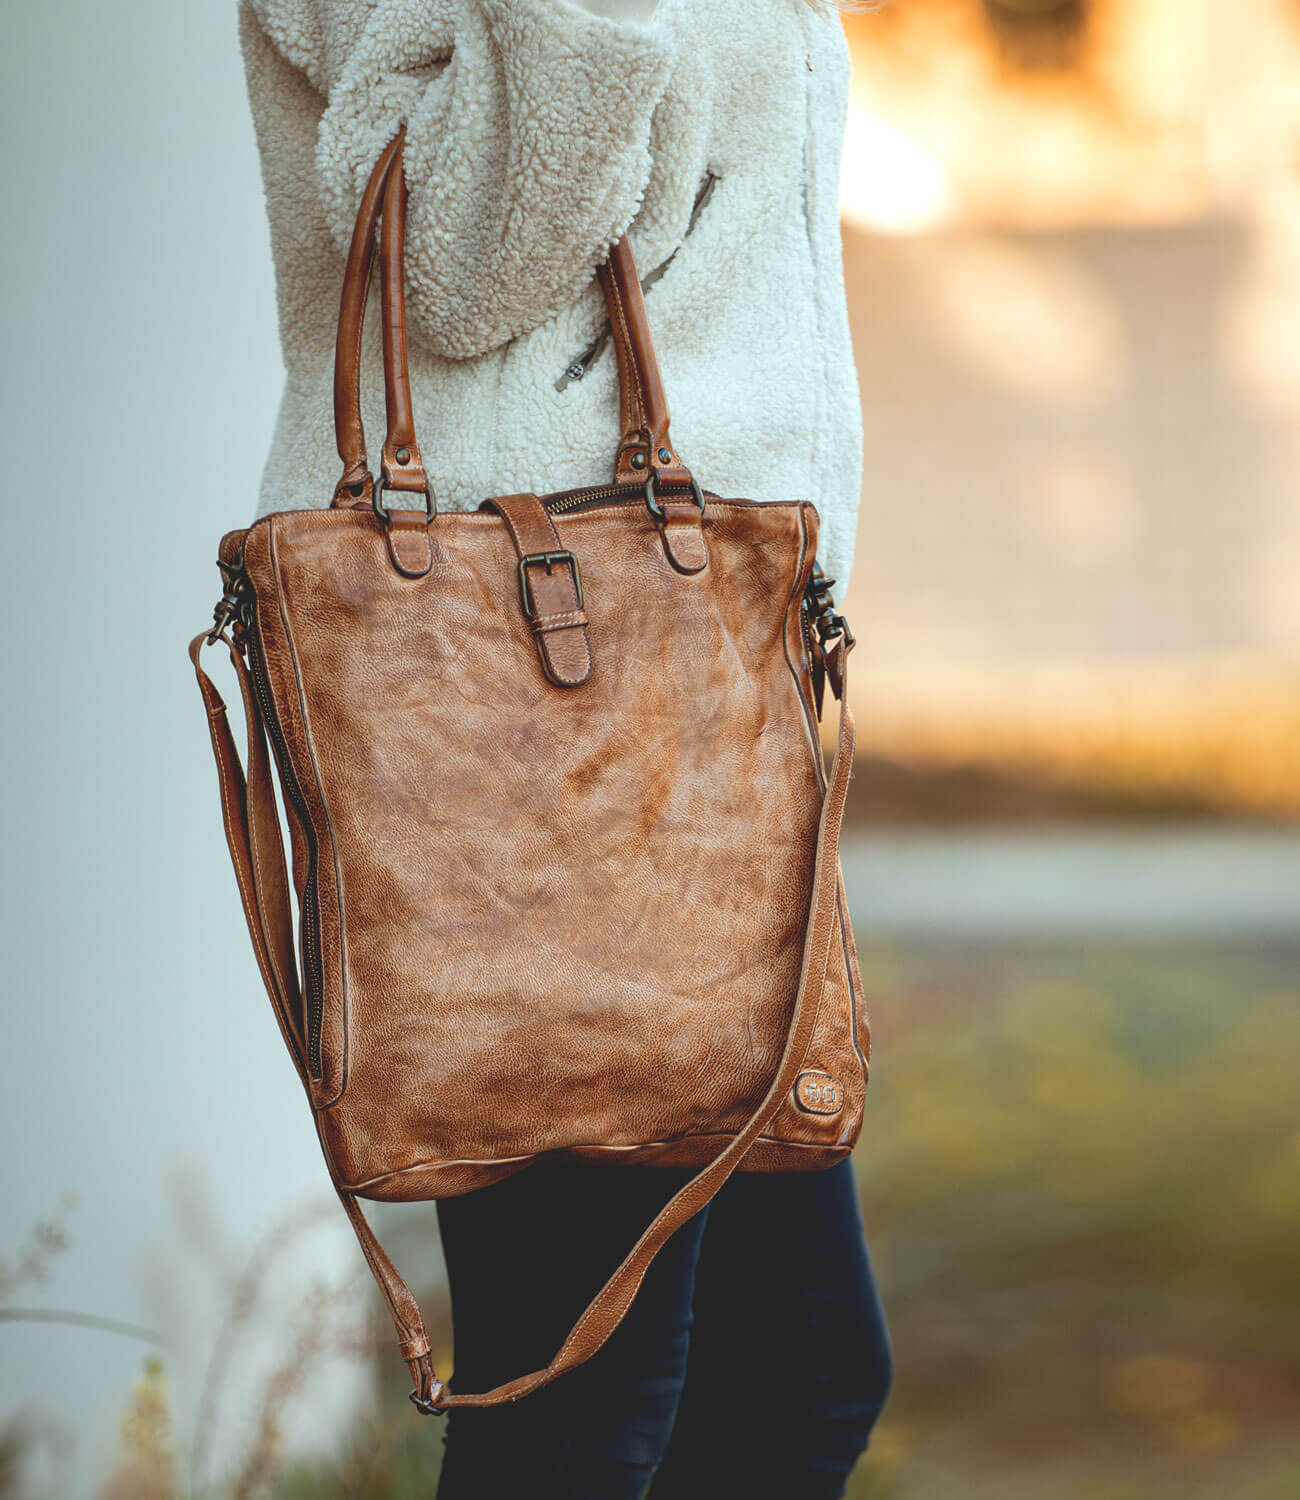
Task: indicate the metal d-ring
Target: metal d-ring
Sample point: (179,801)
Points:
(657,510)
(381,510)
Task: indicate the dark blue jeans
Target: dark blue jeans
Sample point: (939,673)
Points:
(753,1363)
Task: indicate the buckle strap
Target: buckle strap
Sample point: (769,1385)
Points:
(550,589)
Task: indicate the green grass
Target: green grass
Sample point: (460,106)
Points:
(1081,1178)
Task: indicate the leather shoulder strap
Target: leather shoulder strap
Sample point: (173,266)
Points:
(607,1309)
(270,928)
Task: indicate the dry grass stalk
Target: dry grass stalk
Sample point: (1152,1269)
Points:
(239,1312)
(45,1242)
(147,1468)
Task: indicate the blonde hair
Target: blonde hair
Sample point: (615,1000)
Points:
(845,7)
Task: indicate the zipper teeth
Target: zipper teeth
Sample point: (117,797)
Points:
(572,500)
(582,497)
(313,964)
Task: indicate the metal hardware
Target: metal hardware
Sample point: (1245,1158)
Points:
(664,456)
(657,510)
(822,614)
(381,510)
(403,455)
(425,1404)
(235,603)
(836,627)
(638,460)
(546,560)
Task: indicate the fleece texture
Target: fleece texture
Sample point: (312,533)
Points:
(538,132)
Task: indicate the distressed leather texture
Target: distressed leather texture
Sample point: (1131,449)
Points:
(573,919)
(562,839)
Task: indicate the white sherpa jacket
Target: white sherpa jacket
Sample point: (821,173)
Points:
(538,131)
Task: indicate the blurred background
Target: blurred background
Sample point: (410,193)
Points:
(1072,251)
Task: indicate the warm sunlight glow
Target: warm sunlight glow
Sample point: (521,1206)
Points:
(889,183)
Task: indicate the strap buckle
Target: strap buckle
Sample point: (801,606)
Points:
(546,560)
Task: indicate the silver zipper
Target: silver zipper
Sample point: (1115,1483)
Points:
(578,367)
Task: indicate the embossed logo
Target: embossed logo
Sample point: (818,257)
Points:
(819,1093)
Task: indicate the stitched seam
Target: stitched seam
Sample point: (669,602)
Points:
(404,1326)
(640,413)
(501,1161)
(841,906)
(274,557)
(627,416)
(356,358)
(268,979)
(559,622)
(570,679)
(250,904)
(275,829)
(254,843)
(806,709)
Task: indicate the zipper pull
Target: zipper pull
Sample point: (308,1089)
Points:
(577,368)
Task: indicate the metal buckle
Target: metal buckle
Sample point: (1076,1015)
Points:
(657,510)
(546,560)
(381,510)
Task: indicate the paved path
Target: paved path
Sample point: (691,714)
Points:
(1215,883)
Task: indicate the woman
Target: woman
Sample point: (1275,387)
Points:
(755,1360)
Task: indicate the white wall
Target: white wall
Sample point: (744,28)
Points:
(140,379)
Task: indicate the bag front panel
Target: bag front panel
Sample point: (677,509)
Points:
(565,919)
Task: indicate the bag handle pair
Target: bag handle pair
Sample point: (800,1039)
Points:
(257,853)
(645,453)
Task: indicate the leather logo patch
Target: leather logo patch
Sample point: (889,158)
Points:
(819,1093)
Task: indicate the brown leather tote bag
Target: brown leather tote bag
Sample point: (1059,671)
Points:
(563,844)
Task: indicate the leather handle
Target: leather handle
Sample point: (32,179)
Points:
(382,203)
(270,927)
(643,406)
(645,449)
(400,466)
(645,452)
(349,434)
